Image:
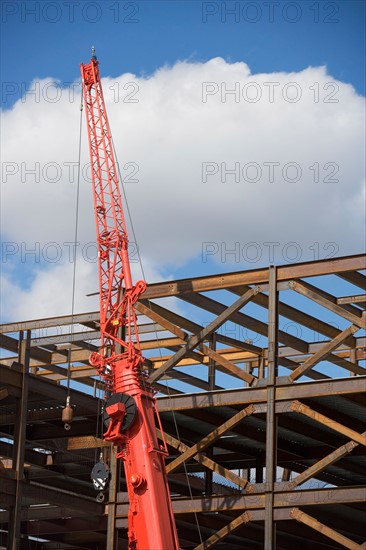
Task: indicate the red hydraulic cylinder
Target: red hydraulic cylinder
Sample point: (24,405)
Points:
(150,522)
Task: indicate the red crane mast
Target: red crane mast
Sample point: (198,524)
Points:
(129,411)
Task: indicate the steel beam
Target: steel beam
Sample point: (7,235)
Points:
(188,325)
(353,314)
(19,443)
(39,493)
(301,517)
(271,420)
(210,438)
(51,322)
(310,497)
(324,352)
(255,276)
(304,319)
(244,396)
(355,277)
(228,365)
(204,333)
(359,299)
(12,377)
(206,461)
(224,532)
(319,466)
(244,320)
(328,422)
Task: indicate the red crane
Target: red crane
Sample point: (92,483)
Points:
(129,410)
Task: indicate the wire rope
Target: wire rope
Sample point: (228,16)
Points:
(74,257)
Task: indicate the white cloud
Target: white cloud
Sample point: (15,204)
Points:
(50,291)
(170,133)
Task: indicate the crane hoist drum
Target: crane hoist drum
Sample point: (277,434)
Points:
(130,406)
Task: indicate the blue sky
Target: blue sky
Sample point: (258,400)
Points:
(40,39)
(44,39)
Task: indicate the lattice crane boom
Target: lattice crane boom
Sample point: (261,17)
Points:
(130,410)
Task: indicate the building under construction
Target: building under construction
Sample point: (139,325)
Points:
(261,399)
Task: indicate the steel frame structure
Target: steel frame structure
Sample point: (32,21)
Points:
(271,436)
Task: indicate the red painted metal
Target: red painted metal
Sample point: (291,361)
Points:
(119,361)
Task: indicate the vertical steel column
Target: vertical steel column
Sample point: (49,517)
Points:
(211,387)
(261,362)
(271,432)
(286,475)
(248,365)
(212,365)
(19,444)
(353,359)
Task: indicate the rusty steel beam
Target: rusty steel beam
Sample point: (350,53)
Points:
(349,264)
(37,513)
(354,277)
(243,396)
(55,526)
(304,319)
(40,494)
(82,337)
(210,438)
(148,311)
(224,532)
(360,343)
(293,365)
(193,358)
(205,461)
(280,514)
(319,466)
(204,333)
(86,442)
(301,517)
(12,344)
(323,353)
(58,339)
(244,320)
(51,322)
(81,356)
(271,419)
(328,422)
(351,366)
(255,276)
(11,377)
(353,314)
(19,442)
(228,366)
(188,325)
(31,456)
(256,501)
(359,299)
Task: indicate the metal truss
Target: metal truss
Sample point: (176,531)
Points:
(266,434)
